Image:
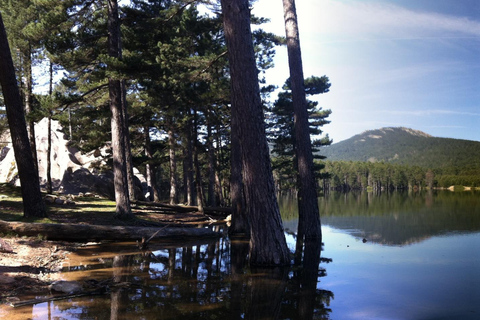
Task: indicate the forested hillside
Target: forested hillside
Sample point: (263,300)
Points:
(400,158)
(406,146)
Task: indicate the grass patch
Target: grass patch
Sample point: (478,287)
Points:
(86,210)
(93,211)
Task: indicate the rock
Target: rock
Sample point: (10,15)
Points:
(59,201)
(5,247)
(68,287)
(72,171)
(50,198)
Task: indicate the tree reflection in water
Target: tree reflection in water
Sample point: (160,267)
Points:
(201,281)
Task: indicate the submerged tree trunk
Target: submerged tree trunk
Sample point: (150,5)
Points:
(307,193)
(267,240)
(33,205)
(123,210)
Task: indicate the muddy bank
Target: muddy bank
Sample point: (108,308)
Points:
(32,266)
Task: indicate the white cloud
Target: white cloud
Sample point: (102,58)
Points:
(364,21)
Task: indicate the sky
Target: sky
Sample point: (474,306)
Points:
(391,63)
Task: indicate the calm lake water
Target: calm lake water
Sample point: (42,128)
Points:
(388,256)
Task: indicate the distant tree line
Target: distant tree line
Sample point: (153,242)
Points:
(356,175)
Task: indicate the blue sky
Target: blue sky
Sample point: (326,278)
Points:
(409,63)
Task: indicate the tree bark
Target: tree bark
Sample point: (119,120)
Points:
(267,241)
(240,223)
(33,205)
(83,232)
(307,193)
(122,200)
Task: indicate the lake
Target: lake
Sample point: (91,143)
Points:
(386,256)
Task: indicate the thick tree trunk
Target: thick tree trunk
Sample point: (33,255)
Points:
(267,241)
(307,193)
(240,223)
(122,200)
(33,205)
(82,232)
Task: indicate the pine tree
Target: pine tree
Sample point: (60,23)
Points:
(267,242)
(282,134)
(123,210)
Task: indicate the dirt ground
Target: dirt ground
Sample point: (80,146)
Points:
(31,267)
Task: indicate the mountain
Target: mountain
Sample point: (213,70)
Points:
(406,146)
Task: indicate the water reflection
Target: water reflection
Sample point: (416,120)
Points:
(398,218)
(382,278)
(209,280)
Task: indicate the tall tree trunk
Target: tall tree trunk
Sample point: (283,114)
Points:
(198,174)
(150,168)
(307,192)
(173,165)
(49,135)
(126,136)
(218,175)
(33,205)
(211,167)
(188,167)
(29,107)
(267,241)
(128,150)
(123,210)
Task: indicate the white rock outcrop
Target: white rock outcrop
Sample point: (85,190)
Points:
(71,170)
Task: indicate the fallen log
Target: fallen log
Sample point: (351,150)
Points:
(83,232)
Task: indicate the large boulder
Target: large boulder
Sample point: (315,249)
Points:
(72,171)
